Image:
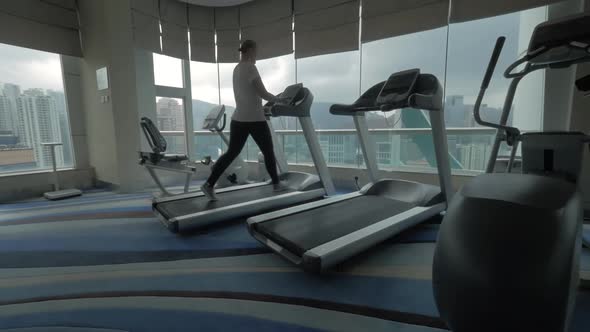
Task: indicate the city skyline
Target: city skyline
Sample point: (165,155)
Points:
(469,152)
(28,118)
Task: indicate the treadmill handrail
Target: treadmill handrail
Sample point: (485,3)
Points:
(365,103)
(422,92)
(160,200)
(343,109)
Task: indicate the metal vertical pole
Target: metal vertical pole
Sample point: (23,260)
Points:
(188,110)
(316,154)
(279,154)
(503,119)
(367,147)
(512,156)
(54,162)
(441,151)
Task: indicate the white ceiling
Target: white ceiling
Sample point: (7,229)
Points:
(216,3)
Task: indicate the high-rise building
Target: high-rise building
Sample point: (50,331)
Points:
(38,122)
(6,122)
(11,92)
(23,123)
(34,92)
(457,114)
(170,115)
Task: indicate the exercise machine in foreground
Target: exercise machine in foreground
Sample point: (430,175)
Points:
(158,159)
(508,251)
(321,234)
(194,210)
(237,172)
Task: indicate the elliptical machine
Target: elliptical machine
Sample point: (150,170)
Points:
(507,255)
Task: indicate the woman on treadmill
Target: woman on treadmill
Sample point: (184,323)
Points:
(248,119)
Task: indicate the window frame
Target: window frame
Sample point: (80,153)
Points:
(184,93)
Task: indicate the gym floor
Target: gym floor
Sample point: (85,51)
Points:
(102,262)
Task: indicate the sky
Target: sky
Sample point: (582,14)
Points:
(30,68)
(331,78)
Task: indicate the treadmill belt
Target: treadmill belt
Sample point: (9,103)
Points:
(182,207)
(306,230)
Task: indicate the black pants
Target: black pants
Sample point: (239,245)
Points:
(239,132)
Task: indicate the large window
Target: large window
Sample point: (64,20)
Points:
(332,78)
(205,92)
(425,50)
(226,88)
(410,148)
(32,111)
(469,49)
(457,54)
(170,121)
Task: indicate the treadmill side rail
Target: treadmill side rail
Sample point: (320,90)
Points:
(200,193)
(331,253)
(171,225)
(248,208)
(295,259)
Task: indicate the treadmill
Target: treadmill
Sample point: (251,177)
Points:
(320,234)
(194,210)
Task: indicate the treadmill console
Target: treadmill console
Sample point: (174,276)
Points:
(397,89)
(214,117)
(559,43)
(407,88)
(291,93)
(294,101)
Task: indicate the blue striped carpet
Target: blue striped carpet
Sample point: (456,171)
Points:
(103,262)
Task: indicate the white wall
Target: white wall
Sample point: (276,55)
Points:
(112,127)
(124,92)
(99,117)
(72,75)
